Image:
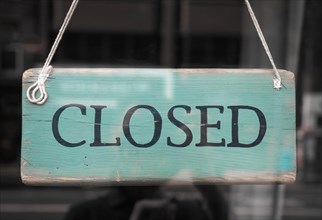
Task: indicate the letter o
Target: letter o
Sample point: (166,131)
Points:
(157,125)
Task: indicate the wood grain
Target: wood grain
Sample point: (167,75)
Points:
(148,126)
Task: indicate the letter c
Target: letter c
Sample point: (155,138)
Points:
(56,121)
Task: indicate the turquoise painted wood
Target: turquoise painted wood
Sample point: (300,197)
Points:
(148,126)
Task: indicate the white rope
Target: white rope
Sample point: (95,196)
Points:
(39,85)
(277,79)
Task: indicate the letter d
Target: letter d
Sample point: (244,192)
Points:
(234,122)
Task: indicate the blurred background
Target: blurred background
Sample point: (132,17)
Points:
(165,33)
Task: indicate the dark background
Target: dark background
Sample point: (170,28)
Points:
(165,33)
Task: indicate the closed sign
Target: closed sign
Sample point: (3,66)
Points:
(107,126)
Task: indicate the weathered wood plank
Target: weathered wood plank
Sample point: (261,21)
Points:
(145,126)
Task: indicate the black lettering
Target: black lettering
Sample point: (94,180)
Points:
(55,123)
(157,125)
(234,123)
(180,125)
(204,126)
(97,129)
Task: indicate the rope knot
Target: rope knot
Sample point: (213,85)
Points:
(277,84)
(39,87)
(277,81)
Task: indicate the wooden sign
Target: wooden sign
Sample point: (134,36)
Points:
(146,126)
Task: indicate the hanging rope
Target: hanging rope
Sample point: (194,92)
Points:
(277,79)
(39,85)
